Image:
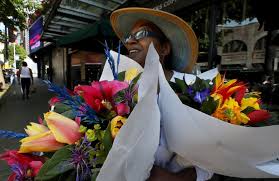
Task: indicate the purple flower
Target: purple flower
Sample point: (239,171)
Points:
(80,159)
(190,91)
(201,96)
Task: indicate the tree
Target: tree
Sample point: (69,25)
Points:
(2,37)
(19,50)
(13,13)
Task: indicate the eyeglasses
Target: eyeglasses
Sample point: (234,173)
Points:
(140,35)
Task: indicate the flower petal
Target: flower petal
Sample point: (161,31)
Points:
(44,142)
(130,74)
(116,124)
(258,116)
(64,129)
(122,109)
(53,101)
(117,86)
(35,129)
(36,166)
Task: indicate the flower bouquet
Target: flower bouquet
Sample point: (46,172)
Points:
(214,125)
(76,139)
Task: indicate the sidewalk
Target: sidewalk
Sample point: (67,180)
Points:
(15,113)
(4,91)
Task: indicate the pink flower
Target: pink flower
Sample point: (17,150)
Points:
(53,101)
(122,109)
(99,91)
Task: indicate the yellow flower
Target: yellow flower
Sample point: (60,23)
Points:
(218,97)
(43,142)
(35,129)
(131,74)
(250,102)
(116,124)
(230,111)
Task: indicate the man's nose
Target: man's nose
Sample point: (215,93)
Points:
(131,40)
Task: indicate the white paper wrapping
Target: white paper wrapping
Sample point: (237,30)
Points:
(214,145)
(132,155)
(125,64)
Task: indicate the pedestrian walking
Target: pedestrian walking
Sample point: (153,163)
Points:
(26,79)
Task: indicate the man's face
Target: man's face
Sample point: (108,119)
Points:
(137,49)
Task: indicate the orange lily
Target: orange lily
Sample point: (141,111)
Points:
(250,102)
(224,90)
(230,111)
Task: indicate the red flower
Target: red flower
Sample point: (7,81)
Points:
(226,90)
(22,165)
(258,116)
(53,101)
(122,109)
(98,92)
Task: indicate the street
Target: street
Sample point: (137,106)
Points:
(16,113)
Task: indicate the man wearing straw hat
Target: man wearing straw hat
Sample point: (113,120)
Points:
(177,46)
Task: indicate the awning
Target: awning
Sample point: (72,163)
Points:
(68,16)
(100,28)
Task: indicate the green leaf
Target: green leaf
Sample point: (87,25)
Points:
(175,87)
(95,173)
(181,84)
(201,84)
(119,96)
(209,106)
(107,140)
(61,107)
(248,110)
(121,76)
(135,80)
(57,165)
(185,99)
(69,114)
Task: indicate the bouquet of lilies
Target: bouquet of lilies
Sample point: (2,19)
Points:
(73,139)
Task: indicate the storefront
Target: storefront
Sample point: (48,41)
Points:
(229,33)
(77,30)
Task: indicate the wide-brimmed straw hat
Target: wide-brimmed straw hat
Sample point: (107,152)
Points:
(183,39)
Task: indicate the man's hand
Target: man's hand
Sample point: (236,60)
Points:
(159,174)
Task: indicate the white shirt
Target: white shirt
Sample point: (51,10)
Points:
(25,72)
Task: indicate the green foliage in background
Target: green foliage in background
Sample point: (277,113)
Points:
(19,50)
(13,13)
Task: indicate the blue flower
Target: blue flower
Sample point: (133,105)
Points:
(201,96)
(11,134)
